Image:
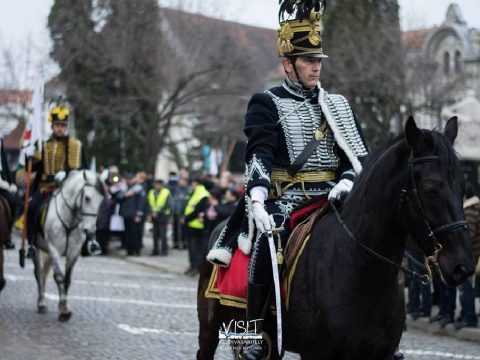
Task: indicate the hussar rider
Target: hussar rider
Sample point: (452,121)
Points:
(302,142)
(59,155)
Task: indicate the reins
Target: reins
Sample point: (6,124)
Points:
(73,211)
(431,234)
(425,278)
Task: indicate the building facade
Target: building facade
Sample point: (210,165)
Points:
(443,78)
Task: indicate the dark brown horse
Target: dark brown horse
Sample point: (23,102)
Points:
(345,303)
(5,230)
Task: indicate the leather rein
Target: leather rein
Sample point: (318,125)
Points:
(431,234)
(73,210)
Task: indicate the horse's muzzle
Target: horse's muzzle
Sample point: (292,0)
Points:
(458,275)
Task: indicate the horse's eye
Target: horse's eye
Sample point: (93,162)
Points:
(431,187)
(87,199)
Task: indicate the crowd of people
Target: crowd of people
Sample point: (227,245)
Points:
(182,211)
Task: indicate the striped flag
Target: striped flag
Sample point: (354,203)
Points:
(33,134)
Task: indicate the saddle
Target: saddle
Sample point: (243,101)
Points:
(42,213)
(229,285)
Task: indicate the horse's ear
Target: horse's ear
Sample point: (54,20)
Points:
(412,133)
(451,129)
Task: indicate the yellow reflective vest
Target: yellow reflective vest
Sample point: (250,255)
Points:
(158,203)
(199,193)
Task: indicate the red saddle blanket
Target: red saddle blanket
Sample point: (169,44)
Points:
(229,284)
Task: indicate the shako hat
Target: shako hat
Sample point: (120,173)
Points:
(300,36)
(59,114)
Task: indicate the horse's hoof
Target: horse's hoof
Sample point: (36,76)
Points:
(42,309)
(65,316)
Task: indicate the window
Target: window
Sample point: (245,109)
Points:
(458,62)
(446,63)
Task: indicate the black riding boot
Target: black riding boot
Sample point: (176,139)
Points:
(9,245)
(32,241)
(256,300)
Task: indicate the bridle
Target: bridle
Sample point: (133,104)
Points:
(76,215)
(431,235)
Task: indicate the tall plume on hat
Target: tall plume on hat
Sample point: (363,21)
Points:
(301,9)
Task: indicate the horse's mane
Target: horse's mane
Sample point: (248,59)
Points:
(433,140)
(90,177)
(378,166)
(374,157)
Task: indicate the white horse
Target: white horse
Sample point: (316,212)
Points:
(70,221)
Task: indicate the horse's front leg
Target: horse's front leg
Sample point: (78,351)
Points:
(42,266)
(59,278)
(2,279)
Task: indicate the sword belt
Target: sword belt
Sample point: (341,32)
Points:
(281,180)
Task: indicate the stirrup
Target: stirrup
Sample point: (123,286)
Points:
(93,247)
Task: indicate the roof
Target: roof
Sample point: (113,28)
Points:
(22,97)
(12,140)
(414,39)
(259,44)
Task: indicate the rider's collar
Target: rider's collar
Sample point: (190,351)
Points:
(55,137)
(298,90)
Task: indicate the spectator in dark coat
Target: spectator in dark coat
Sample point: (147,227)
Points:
(471,206)
(222,205)
(133,210)
(103,224)
(180,193)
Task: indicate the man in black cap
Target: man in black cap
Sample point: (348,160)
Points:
(302,142)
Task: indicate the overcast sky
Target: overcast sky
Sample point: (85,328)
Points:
(21,20)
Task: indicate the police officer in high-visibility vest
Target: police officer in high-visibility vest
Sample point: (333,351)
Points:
(194,220)
(159,201)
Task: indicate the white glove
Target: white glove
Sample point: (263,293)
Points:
(263,221)
(4,185)
(12,188)
(60,176)
(341,189)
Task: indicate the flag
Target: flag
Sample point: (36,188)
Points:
(33,134)
(93,164)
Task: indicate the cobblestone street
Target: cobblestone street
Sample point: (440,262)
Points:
(124,310)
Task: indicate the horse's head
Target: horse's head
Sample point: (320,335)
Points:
(88,191)
(433,209)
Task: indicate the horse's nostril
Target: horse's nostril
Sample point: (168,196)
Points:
(461,271)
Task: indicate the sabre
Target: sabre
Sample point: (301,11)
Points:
(276,282)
